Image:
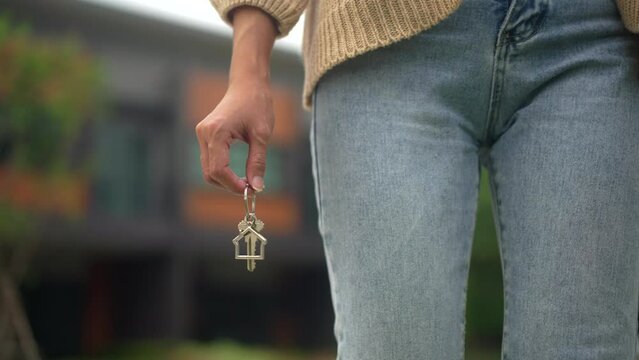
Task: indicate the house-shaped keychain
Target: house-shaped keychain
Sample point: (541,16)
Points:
(250,228)
(250,234)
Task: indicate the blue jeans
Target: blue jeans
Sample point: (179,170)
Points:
(545,95)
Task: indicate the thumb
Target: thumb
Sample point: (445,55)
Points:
(256,162)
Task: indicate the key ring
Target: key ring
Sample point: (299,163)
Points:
(249,215)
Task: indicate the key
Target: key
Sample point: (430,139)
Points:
(258,225)
(249,229)
(251,240)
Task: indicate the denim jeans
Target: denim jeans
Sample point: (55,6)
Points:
(545,95)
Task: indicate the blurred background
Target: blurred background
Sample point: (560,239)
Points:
(111,244)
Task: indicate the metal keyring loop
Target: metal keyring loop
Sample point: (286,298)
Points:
(249,214)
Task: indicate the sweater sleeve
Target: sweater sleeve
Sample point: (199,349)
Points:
(285,12)
(629,10)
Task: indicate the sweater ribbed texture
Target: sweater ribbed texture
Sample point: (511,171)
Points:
(336,30)
(629,10)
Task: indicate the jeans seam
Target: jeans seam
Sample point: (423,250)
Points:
(337,330)
(315,162)
(463,317)
(496,205)
(637,340)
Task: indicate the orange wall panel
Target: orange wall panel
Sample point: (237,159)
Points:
(66,195)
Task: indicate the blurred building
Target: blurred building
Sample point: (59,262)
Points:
(151,254)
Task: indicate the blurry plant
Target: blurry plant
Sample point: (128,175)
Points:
(485,303)
(228,349)
(223,349)
(48,92)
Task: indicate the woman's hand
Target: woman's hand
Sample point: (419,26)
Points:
(246,110)
(245,113)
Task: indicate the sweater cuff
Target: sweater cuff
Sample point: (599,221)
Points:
(629,10)
(285,12)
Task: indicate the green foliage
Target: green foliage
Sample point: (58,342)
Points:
(484,310)
(224,349)
(485,241)
(48,91)
(12,222)
(15,225)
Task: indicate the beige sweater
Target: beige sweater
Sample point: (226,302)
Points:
(336,30)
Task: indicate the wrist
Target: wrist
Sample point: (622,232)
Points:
(253,37)
(249,79)
(249,15)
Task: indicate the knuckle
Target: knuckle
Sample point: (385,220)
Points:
(207,128)
(199,129)
(214,126)
(259,161)
(216,173)
(259,157)
(261,132)
(206,175)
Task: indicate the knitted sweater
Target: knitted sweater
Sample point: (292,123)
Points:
(336,30)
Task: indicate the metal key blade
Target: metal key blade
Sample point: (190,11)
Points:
(251,242)
(248,240)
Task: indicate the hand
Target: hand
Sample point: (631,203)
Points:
(246,110)
(245,113)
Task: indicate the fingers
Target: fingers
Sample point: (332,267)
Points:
(204,156)
(256,161)
(214,159)
(219,169)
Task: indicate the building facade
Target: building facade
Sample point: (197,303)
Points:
(149,254)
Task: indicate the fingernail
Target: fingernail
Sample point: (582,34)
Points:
(258,183)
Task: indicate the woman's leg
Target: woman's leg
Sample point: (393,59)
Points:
(396,177)
(565,175)
(397,196)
